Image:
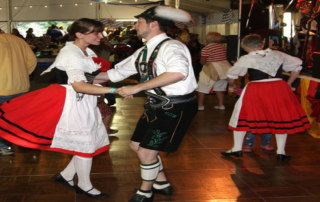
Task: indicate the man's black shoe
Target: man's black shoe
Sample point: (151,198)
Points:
(165,191)
(141,198)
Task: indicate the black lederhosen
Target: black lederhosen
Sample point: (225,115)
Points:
(166,118)
(163,129)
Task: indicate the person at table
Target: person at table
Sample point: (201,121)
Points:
(267,104)
(65,118)
(17,33)
(30,36)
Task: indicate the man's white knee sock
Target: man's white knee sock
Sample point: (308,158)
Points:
(149,172)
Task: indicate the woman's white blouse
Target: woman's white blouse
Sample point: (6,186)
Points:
(72,60)
(267,61)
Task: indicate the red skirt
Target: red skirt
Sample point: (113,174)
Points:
(268,106)
(30,120)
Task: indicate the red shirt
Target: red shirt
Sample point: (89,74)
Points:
(214,52)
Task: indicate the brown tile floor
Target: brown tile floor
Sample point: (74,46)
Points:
(197,171)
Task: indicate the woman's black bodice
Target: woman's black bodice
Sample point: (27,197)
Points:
(255,74)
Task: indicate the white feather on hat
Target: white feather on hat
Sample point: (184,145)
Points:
(173,14)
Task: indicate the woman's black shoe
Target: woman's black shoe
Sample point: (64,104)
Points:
(283,157)
(59,178)
(231,153)
(98,196)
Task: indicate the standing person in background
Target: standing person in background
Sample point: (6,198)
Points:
(17,62)
(167,76)
(65,118)
(214,71)
(265,142)
(267,103)
(55,33)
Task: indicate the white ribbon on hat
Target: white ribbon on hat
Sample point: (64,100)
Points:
(173,14)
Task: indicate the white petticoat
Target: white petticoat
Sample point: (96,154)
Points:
(80,127)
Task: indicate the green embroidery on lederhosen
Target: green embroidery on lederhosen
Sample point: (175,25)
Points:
(157,138)
(171,115)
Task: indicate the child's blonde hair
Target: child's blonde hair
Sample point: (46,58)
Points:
(214,37)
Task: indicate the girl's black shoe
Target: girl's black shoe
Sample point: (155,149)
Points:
(232,153)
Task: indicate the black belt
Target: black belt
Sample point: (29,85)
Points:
(156,101)
(176,99)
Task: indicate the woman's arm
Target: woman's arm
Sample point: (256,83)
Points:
(232,85)
(292,77)
(83,87)
(77,80)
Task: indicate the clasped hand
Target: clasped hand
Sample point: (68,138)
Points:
(127,91)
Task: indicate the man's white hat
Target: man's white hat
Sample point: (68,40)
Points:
(166,15)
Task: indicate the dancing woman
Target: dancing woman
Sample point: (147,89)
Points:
(267,104)
(65,118)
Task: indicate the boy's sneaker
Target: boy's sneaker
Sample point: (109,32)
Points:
(267,147)
(200,108)
(247,149)
(6,151)
(220,107)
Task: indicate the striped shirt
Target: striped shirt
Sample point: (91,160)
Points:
(214,52)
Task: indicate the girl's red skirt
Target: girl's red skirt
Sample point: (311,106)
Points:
(268,107)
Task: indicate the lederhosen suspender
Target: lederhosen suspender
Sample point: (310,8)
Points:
(151,73)
(160,99)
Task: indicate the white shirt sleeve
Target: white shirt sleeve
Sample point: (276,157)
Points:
(175,58)
(238,69)
(290,63)
(123,69)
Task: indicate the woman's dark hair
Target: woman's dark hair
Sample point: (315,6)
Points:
(85,26)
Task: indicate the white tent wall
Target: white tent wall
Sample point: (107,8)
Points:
(34,10)
(108,11)
(4,15)
(204,12)
(4,26)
